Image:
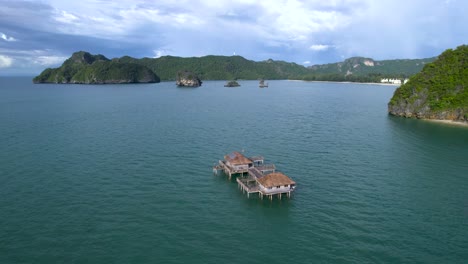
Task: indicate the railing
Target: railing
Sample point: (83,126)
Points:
(266,167)
(250,188)
(257,158)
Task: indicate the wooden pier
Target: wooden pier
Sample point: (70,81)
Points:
(254,176)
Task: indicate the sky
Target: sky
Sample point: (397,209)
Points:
(35,35)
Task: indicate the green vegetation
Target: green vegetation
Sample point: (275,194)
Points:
(83,67)
(335,77)
(438,91)
(359,69)
(221,68)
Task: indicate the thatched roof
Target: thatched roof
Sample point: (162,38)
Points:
(235,158)
(275,179)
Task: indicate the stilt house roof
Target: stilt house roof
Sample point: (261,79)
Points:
(275,179)
(236,158)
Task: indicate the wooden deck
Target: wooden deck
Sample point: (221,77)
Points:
(248,185)
(255,173)
(259,171)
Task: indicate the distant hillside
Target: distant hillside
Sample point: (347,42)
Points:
(84,68)
(366,69)
(439,91)
(221,67)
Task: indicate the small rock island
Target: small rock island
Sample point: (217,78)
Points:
(439,91)
(232,84)
(187,79)
(85,68)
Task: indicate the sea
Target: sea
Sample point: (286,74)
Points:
(123,174)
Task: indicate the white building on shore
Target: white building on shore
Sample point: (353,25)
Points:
(392,81)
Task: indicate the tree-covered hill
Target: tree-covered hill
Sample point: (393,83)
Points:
(439,91)
(221,67)
(84,68)
(366,69)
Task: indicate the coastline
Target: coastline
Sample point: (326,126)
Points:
(370,83)
(448,122)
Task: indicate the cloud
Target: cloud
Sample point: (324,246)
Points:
(306,62)
(290,30)
(159,52)
(420,29)
(277,22)
(7,38)
(319,47)
(66,17)
(5,61)
(28,61)
(48,60)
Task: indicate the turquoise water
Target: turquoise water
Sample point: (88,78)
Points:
(122,174)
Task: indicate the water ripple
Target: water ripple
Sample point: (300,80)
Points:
(123,174)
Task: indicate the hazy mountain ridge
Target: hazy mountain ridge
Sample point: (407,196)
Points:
(367,69)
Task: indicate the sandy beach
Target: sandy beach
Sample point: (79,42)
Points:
(449,122)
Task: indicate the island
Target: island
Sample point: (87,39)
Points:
(232,84)
(187,79)
(439,91)
(84,68)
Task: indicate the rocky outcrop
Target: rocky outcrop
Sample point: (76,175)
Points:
(421,110)
(417,106)
(439,91)
(232,84)
(187,79)
(414,106)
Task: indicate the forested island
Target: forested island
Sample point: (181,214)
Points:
(83,67)
(439,91)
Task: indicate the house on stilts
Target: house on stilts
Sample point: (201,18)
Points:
(254,176)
